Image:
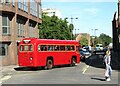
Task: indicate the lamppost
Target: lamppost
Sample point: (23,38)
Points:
(94,36)
(72,23)
(75,32)
(95,31)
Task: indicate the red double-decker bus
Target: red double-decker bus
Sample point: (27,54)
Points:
(34,52)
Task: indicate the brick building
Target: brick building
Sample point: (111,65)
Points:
(18,19)
(86,35)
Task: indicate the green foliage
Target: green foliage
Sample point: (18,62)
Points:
(83,41)
(55,28)
(105,39)
(102,39)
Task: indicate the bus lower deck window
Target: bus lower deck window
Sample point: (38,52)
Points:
(43,48)
(62,48)
(56,48)
(72,48)
(50,48)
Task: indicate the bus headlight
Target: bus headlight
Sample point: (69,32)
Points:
(31,58)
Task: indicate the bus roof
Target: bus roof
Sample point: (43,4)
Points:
(51,41)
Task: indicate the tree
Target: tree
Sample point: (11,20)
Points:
(83,41)
(105,39)
(54,28)
(102,39)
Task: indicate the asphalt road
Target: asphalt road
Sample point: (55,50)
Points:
(89,72)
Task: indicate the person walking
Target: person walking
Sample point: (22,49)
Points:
(108,69)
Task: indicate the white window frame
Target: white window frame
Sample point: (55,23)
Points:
(33,8)
(21,30)
(8,26)
(23,5)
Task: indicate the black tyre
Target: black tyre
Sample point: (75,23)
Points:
(49,64)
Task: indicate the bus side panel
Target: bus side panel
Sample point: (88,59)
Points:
(66,57)
(78,58)
(41,58)
(59,58)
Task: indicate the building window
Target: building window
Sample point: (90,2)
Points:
(5,1)
(26,6)
(23,5)
(1,1)
(3,49)
(13,2)
(5,25)
(31,30)
(40,12)
(20,25)
(33,8)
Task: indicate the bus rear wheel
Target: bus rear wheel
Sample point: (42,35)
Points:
(49,64)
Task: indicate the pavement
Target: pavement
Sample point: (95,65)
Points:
(7,72)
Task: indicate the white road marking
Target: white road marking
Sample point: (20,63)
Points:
(85,69)
(0,83)
(4,78)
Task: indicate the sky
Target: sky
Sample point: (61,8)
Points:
(91,14)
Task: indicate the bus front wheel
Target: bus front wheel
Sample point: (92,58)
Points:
(49,64)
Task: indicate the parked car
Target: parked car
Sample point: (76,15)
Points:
(99,47)
(84,54)
(88,48)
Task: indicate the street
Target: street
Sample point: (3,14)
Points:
(89,72)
